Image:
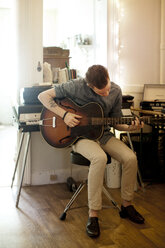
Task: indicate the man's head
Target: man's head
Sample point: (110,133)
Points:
(97,78)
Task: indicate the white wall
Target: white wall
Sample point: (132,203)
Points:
(47,161)
(140,36)
(139,45)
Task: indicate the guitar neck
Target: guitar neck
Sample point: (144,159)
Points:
(111,120)
(120,120)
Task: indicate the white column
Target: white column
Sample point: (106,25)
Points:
(29,23)
(29,26)
(162,44)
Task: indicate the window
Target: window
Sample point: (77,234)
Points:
(72,25)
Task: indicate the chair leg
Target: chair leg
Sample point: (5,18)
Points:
(23,168)
(18,155)
(110,198)
(75,195)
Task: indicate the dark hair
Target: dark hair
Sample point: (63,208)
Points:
(97,75)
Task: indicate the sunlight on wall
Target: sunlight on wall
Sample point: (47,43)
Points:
(116,17)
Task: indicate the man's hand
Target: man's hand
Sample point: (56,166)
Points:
(135,125)
(71,119)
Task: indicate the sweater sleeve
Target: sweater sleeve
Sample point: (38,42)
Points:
(116,110)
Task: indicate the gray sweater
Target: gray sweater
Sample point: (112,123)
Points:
(81,94)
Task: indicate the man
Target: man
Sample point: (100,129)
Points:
(96,87)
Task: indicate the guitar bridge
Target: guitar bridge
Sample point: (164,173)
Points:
(54,122)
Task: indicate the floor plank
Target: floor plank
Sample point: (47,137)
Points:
(36,222)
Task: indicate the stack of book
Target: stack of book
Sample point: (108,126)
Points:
(66,74)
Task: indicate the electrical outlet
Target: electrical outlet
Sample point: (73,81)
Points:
(53,177)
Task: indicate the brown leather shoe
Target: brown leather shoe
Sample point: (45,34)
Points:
(92,227)
(131,213)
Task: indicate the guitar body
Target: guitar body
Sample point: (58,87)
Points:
(58,134)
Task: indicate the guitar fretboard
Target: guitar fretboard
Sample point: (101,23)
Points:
(117,120)
(111,121)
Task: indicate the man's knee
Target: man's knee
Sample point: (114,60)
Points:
(132,160)
(100,158)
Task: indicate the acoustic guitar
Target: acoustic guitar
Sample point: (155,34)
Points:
(91,126)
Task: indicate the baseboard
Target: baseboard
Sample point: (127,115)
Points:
(59,175)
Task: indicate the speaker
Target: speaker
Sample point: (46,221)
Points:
(150,151)
(29,95)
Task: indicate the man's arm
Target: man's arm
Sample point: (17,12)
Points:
(47,99)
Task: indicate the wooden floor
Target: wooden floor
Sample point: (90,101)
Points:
(36,224)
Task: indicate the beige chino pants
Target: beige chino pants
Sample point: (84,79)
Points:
(95,152)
